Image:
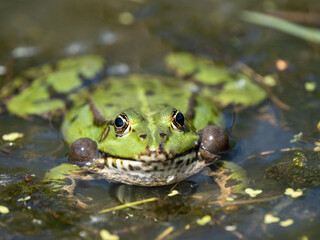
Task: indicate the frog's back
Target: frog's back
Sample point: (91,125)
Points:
(143,92)
(110,97)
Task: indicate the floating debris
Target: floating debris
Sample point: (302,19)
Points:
(317,146)
(269,81)
(108,38)
(24,199)
(292,193)
(106,235)
(300,160)
(281,65)
(310,86)
(318,126)
(4,209)
(37,221)
(165,233)
(12,136)
(297,137)
(269,218)
(252,193)
(286,223)
(126,18)
(204,220)
(118,69)
(3,70)
(173,193)
(230,228)
(230,199)
(22,52)
(76,48)
(128,205)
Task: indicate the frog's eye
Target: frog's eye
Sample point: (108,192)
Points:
(121,125)
(177,120)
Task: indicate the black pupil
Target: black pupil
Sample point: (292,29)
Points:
(180,118)
(119,122)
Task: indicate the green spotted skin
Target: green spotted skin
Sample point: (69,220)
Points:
(153,152)
(145,94)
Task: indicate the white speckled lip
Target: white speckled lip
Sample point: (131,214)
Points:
(148,173)
(152,157)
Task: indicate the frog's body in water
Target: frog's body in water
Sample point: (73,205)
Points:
(139,129)
(144,129)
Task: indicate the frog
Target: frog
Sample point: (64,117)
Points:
(138,129)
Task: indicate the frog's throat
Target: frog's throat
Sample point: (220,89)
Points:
(148,173)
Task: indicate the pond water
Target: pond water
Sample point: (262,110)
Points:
(134,36)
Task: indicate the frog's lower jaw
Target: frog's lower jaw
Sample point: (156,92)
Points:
(151,173)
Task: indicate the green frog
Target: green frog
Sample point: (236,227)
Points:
(138,129)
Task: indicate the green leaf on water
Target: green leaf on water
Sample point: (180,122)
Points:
(126,18)
(173,193)
(38,98)
(300,160)
(297,137)
(252,193)
(204,220)
(235,87)
(242,91)
(12,136)
(269,218)
(201,69)
(286,223)
(4,209)
(269,81)
(310,86)
(106,235)
(293,193)
(24,199)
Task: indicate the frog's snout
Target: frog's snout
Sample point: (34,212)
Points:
(163,136)
(82,151)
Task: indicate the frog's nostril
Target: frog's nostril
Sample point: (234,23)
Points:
(143,136)
(163,135)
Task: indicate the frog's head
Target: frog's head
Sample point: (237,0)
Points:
(160,135)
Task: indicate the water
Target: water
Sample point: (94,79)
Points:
(43,31)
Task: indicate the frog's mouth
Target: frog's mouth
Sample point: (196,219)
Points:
(147,173)
(152,168)
(157,155)
(147,163)
(160,154)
